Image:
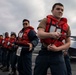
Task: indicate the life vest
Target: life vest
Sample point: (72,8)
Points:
(5,42)
(11,42)
(1,41)
(52,25)
(23,38)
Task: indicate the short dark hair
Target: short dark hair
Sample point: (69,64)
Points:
(6,33)
(60,4)
(26,20)
(13,33)
(1,35)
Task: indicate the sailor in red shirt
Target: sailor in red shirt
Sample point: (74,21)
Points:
(27,40)
(1,38)
(12,58)
(5,52)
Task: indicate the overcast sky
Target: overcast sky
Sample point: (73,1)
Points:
(12,12)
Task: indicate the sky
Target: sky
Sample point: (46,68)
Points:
(12,12)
